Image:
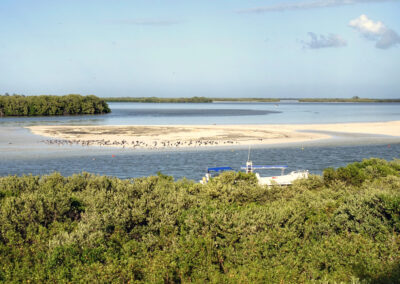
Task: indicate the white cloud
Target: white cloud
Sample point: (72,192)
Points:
(321,41)
(376,31)
(290,6)
(367,26)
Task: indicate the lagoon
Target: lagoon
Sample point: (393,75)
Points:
(223,113)
(23,153)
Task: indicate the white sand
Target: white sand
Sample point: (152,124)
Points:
(160,136)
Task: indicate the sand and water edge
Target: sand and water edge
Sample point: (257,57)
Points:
(200,136)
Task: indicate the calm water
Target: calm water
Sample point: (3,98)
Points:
(192,164)
(226,113)
(23,153)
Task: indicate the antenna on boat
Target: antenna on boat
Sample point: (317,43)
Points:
(249,164)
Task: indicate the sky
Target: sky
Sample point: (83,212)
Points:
(211,48)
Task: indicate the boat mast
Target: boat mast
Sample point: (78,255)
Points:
(249,164)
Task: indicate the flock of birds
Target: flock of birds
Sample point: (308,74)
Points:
(139,144)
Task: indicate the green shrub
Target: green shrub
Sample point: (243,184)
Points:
(341,227)
(17,105)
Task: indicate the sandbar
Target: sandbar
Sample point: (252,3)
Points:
(173,136)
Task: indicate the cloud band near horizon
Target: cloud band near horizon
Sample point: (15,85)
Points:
(307,5)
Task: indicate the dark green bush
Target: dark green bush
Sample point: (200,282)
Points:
(351,174)
(51,105)
(329,175)
(357,173)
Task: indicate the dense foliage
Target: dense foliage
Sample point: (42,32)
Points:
(18,105)
(342,226)
(160,100)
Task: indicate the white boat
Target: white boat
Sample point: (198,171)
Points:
(281,179)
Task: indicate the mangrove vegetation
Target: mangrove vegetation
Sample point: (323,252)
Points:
(186,100)
(343,226)
(354,99)
(19,105)
(159,100)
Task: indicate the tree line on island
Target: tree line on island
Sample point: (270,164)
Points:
(46,105)
(185,100)
(341,227)
(354,99)
(159,100)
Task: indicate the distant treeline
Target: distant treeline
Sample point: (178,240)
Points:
(186,100)
(260,100)
(160,100)
(352,100)
(19,105)
(342,227)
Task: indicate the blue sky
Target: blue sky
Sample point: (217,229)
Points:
(226,48)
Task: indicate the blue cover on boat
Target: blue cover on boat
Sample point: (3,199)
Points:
(219,169)
(265,167)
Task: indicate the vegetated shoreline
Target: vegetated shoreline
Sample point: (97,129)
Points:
(339,100)
(343,226)
(250,100)
(192,136)
(47,105)
(185,100)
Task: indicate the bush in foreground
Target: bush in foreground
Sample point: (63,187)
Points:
(96,228)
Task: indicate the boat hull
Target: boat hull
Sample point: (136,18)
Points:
(283,179)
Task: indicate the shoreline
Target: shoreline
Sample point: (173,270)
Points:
(195,136)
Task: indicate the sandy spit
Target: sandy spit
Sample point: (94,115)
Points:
(173,136)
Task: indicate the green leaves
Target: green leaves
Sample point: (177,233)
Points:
(344,226)
(51,105)
(357,173)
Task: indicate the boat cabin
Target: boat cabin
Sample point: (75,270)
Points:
(211,172)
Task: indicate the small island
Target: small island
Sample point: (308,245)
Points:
(194,136)
(47,105)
